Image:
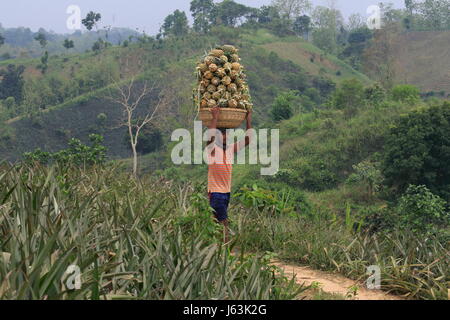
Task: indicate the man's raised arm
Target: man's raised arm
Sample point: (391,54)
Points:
(248,136)
(213,125)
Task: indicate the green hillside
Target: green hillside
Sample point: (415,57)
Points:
(62,112)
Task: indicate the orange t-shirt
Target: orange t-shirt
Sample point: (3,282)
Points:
(220,168)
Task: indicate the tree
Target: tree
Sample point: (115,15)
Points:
(2,40)
(99,45)
(175,24)
(435,14)
(12,82)
(42,39)
(356,22)
(410,6)
(379,61)
(302,26)
(68,44)
(283,106)
(142,103)
(201,12)
(422,211)
(229,13)
(327,22)
(406,93)
(350,95)
(267,14)
(91,20)
(150,139)
(368,173)
(417,151)
(291,9)
(43,66)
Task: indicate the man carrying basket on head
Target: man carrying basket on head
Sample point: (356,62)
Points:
(220,168)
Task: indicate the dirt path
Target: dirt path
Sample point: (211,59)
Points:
(332,283)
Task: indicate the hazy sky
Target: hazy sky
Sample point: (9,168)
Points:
(143,14)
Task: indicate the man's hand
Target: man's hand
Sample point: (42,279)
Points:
(215,112)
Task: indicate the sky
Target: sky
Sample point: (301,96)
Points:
(147,15)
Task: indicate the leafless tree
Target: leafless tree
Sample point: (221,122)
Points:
(137,113)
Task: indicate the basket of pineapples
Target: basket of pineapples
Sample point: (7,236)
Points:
(222,83)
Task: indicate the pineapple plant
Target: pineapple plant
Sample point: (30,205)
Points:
(222,80)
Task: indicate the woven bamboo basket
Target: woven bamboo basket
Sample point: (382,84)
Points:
(229,118)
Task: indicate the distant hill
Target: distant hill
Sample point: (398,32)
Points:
(422,58)
(315,61)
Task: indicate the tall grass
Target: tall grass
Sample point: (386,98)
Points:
(411,265)
(129,239)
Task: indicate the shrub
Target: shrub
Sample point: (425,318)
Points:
(283,106)
(101,119)
(405,93)
(375,94)
(350,96)
(275,197)
(368,173)
(421,210)
(77,153)
(417,151)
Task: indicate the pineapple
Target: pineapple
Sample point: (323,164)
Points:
(207,96)
(234,74)
(221,72)
(223,103)
(212,88)
(208,60)
(215,81)
(235,58)
(212,103)
(203,67)
(224,59)
(216,53)
(226,80)
(232,88)
(221,80)
(228,67)
(208,75)
(232,103)
(229,49)
(236,66)
(221,88)
(213,67)
(216,95)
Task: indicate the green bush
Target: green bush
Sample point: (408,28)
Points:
(417,151)
(77,153)
(283,106)
(375,95)
(350,95)
(422,211)
(405,93)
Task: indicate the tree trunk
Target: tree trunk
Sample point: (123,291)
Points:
(135,160)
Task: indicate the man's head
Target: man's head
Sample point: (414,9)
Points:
(224,136)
